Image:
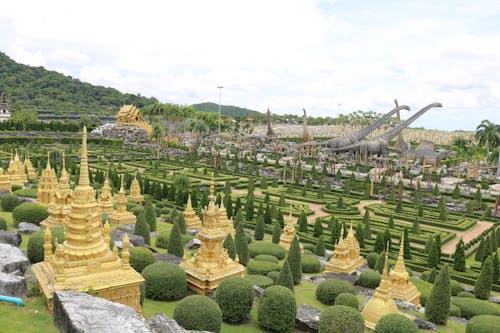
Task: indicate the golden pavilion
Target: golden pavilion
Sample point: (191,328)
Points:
(130,115)
(190,218)
(105,200)
(17,171)
(47,184)
(60,201)
(135,191)
(121,215)
(5,182)
(289,233)
(346,257)
(211,264)
(381,303)
(84,262)
(399,280)
(28,167)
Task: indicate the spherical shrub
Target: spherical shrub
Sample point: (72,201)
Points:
(395,323)
(272,249)
(259,280)
(341,318)
(456,287)
(371,259)
(465,294)
(425,275)
(35,249)
(266,257)
(3,224)
(454,311)
(30,212)
(198,312)
(164,281)
(370,279)
(277,309)
(471,307)
(235,297)
(310,264)
(9,202)
(255,267)
(162,240)
(328,290)
(347,299)
(483,324)
(140,257)
(274,275)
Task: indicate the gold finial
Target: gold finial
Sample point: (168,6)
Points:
(63,161)
(105,231)
(290,212)
(47,246)
(189,206)
(84,167)
(125,252)
(401,245)
(48,160)
(212,186)
(385,272)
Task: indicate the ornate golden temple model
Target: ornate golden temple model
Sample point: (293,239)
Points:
(120,215)
(381,303)
(106,200)
(190,218)
(130,115)
(288,234)
(211,264)
(346,257)
(17,171)
(60,201)
(5,183)
(84,262)
(135,191)
(47,184)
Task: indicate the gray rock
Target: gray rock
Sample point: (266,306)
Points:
(307,318)
(160,323)
(322,260)
(317,279)
(27,228)
(11,238)
(194,243)
(12,259)
(12,285)
(76,312)
(192,232)
(118,234)
(403,305)
(458,320)
(424,324)
(342,276)
(167,257)
(494,299)
(258,290)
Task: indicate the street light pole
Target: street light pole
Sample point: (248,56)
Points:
(220,90)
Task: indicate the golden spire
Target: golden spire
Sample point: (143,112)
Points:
(105,232)
(189,206)
(47,246)
(48,160)
(84,167)
(121,184)
(383,287)
(125,251)
(212,186)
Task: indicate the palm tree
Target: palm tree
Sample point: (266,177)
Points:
(488,134)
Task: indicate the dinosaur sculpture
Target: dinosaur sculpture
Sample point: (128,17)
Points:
(425,153)
(270,131)
(306,136)
(378,145)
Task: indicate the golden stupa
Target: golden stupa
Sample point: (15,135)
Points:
(225,223)
(346,257)
(120,215)
(130,115)
(381,303)
(5,182)
(399,280)
(288,233)
(60,202)
(47,184)
(28,167)
(105,200)
(211,264)
(135,191)
(16,170)
(190,218)
(84,262)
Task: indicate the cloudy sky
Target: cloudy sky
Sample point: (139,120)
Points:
(327,56)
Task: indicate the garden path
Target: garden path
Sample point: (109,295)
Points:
(467,236)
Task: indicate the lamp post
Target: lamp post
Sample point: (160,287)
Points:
(220,90)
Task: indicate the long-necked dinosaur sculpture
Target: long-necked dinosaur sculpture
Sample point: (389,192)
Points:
(378,145)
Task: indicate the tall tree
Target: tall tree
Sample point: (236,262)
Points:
(241,243)
(303,222)
(319,248)
(259,228)
(360,235)
(406,244)
(295,260)
(459,257)
(150,215)
(285,278)
(482,289)
(142,228)
(432,257)
(276,232)
(229,246)
(438,304)
(175,244)
(318,227)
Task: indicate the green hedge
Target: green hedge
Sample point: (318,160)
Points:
(395,323)
(328,290)
(483,324)
(165,281)
(30,212)
(259,280)
(256,248)
(341,318)
(277,309)
(255,267)
(310,264)
(266,257)
(235,298)
(198,312)
(370,279)
(140,257)
(9,202)
(347,299)
(471,307)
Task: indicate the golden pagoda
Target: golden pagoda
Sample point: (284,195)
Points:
(346,257)
(28,167)
(399,280)
(130,115)
(211,264)
(105,200)
(120,215)
(381,303)
(47,184)
(60,202)
(84,262)
(226,224)
(288,233)
(135,191)
(16,170)
(5,183)
(190,218)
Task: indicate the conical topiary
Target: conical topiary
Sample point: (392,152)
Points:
(285,278)
(295,260)
(482,289)
(259,228)
(241,243)
(229,246)
(319,249)
(142,228)
(438,304)
(276,232)
(175,244)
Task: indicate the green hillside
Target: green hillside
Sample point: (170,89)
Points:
(36,88)
(227,110)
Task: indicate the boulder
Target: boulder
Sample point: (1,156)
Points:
(27,228)
(403,305)
(351,278)
(135,240)
(160,323)
(307,318)
(494,299)
(192,232)
(194,243)
(317,279)
(322,261)
(167,257)
(12,285)
(458,320)
(258,290)
(11,238)
(76,312)
(424,324)
(12,259)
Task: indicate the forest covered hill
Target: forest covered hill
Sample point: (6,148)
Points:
(227,110)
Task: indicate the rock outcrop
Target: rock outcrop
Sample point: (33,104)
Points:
(12,259)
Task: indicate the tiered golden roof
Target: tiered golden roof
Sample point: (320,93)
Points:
(105,200)
(211,264)
(289,233)
(84,262)
(226,224)
(346,257)
(135,191)
(190,218)
(120,215)
(16,170)
(47,184)
(130,115)
(28,167)
(399,279)
(5,182)
(381,303)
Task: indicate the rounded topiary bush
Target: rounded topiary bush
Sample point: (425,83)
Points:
(341,318)
(140,257)
(162,240)
(425,275)
(371,259)
(370,279)
(456,287)
(198,312)
(328,290)
(277,309)
(165,281)
(9,202)
(274,275)
(30,212)
(395,323)
(35,251)
(137,210)
(454,311)
(255,267)
(310,264)
(3,224)
(470,307)
(259,280)
(235,298)
(254,249)
(483,324)
(465,294)
(347,299)
(266,257)
(308,247)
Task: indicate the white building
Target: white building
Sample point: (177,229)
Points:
(4,109)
